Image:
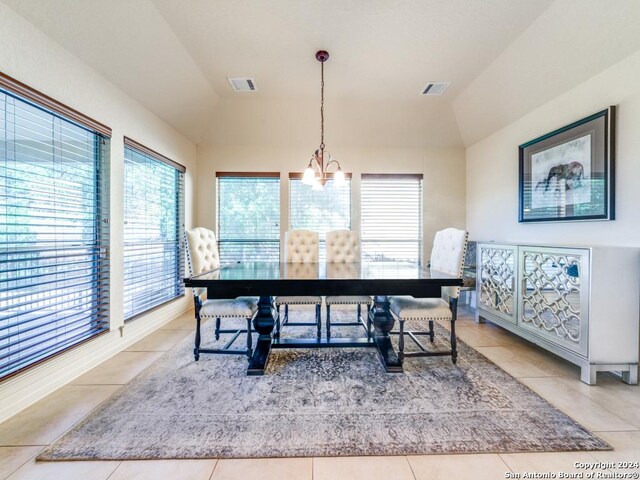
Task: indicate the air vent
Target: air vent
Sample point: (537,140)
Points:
(435,88)
(241,84)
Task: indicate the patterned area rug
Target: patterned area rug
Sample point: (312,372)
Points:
(328,402)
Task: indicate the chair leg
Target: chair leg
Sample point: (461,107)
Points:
(196,350)
(276,335)
(401,341)
(453,303)
(197,304)
(368,321)
(286,315)
(431,332)
(217,329)
(318,322)
(328,321)
(249,340)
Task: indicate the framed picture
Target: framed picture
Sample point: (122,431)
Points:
(568,174)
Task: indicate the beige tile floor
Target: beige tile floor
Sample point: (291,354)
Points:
(611,409)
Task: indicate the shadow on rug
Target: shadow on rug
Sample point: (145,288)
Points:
(331,402)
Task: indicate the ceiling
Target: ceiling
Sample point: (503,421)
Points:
(174,57)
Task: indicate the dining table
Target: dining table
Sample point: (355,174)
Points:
(266,280)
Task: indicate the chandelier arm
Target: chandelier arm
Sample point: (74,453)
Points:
(331,162)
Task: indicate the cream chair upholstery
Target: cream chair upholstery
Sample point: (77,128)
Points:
(202,251)
(202,256)
(447,256)
(300,247)
(343,247)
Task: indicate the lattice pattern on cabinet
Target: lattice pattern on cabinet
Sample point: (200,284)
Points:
(496,279)
(551,294)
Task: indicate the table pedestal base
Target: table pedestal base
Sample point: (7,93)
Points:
(263,323)
(379,315)
(383,322)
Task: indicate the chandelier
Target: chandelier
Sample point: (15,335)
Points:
(317,172)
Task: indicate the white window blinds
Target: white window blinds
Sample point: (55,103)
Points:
(154,226)
(391,217)
(248,216)
(319,210)
(54,236)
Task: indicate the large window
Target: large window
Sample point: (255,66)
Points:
(154,225)
(319,210)
(54,263)
(391,215)
(248,216)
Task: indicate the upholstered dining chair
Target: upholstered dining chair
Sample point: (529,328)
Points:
(202,256)
(300,246)
(447,256)
(343,246)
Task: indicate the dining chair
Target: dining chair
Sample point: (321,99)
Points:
(300,246)
(447,256)
(343,247)
(202,256)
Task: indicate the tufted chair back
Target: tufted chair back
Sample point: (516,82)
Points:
(447,255)
(343,246)
(202,250)
(300,246)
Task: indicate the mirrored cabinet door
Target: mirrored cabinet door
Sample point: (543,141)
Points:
(554,295)
(496,282)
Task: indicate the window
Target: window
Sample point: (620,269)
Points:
(391,216)
(319,210)
(248,216)
(153,230)
(54,263)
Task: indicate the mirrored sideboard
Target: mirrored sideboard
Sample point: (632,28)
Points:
(581,303)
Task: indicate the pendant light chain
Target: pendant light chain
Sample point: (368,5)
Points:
(316,173)
(322,107)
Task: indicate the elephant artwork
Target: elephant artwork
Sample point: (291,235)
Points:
(569,175)
(561,174)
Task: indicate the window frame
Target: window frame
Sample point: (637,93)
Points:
(390,177)
(227,174)
(180,225)
(297,176)
(99,319)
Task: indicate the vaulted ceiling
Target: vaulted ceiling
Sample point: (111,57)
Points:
(503,57)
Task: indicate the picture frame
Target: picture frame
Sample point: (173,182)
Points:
(569,174)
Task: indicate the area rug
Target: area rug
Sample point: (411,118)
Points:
(329,402)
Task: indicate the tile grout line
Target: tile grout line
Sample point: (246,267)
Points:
(24,463)
(411,467)
(636,427)
(114,470)
(215,466)
(505,462)
(577,392)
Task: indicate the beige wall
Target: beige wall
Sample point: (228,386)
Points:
(443,170)
(492,166)
(31,57)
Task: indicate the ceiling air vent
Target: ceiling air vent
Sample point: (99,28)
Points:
(241,84)
(435,88)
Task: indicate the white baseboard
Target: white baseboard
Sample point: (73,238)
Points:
(23,390)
